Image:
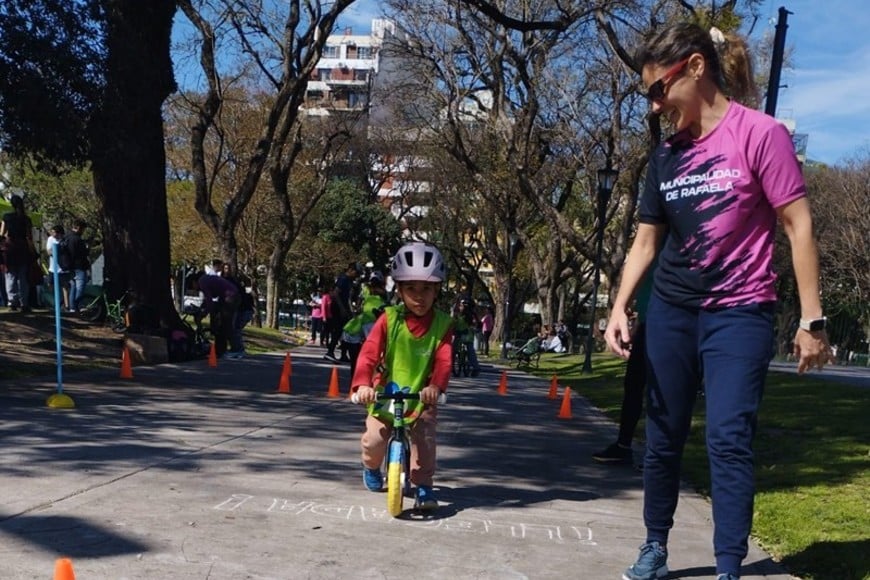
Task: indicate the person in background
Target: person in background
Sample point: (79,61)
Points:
(215,267)
(414,342)
(342,310)
(358,328)
(465,324)
(714,191)
(4,299)
(316,318)
(331,322)
(633,383)
(487,321)
(80,253)
(19,254)
(220,300)
(55,235)
(244,315)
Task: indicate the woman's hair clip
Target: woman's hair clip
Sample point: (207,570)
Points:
(717,37)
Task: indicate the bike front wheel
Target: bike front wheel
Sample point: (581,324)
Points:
(395,469)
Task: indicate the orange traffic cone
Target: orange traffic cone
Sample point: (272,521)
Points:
(126,368)
(333,385)
(554,388)
(212,356)
(502,384)
(284,383)
(565,410)
(63,570)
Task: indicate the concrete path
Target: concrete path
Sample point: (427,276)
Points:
(189,472)
(852,375)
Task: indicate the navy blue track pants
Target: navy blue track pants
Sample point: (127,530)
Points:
(730,350)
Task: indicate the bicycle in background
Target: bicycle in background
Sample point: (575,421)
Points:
(98,308)
(200,335)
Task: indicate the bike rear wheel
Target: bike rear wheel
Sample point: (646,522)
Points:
(395,470)
(94,312)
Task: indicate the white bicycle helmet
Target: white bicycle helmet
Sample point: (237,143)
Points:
(418,261)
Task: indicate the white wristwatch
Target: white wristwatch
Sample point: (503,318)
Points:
(814,324)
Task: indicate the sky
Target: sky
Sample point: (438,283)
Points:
(828,78)
(828,92)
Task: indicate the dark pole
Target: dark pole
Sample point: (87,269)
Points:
(507,301)
(606,181)
(776,62)
(596,281)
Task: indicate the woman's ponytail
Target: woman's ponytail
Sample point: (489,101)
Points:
(736,67)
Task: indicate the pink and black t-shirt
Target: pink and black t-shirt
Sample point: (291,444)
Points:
(718,196)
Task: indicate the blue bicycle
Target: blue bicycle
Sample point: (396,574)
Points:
(398,457)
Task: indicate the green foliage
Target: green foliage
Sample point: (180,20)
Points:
(190,240)
(51,63)
(61,196)
(812,464)
(346,215)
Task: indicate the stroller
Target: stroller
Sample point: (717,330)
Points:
(529,354)
(192,340)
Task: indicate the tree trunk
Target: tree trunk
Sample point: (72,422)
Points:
(129,161)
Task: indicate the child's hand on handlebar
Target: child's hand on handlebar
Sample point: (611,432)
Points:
(364,395)
(429,395)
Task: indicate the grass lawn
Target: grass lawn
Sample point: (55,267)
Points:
(812,506)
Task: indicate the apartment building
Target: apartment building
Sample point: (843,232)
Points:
(342,80)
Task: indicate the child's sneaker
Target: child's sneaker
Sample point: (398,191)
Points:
(651,563)
(373,479)
(425,498)
(728,576)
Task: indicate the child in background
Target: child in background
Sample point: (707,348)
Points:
(358,328)
(316,318)
(412,342)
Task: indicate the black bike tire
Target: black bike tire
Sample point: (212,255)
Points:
(119,327)
(94,312)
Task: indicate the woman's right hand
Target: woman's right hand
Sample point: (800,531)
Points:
(618,333)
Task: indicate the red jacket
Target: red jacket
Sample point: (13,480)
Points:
(375,345)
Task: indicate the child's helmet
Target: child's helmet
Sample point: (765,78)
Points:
(418,261)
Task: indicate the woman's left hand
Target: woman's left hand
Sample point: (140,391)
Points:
(811,349)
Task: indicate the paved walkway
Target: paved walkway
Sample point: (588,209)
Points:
(852,375)
(189,472)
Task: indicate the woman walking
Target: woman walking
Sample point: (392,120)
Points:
(713,193)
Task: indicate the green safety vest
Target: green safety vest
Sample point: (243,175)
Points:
(360,325)
(408,360)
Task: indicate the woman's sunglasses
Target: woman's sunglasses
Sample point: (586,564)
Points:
(656,91)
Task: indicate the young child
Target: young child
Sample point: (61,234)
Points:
(412,345)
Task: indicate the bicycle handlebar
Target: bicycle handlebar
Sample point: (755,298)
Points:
(442,398)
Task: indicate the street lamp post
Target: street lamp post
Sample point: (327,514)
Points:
(606,181)
(512,242)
